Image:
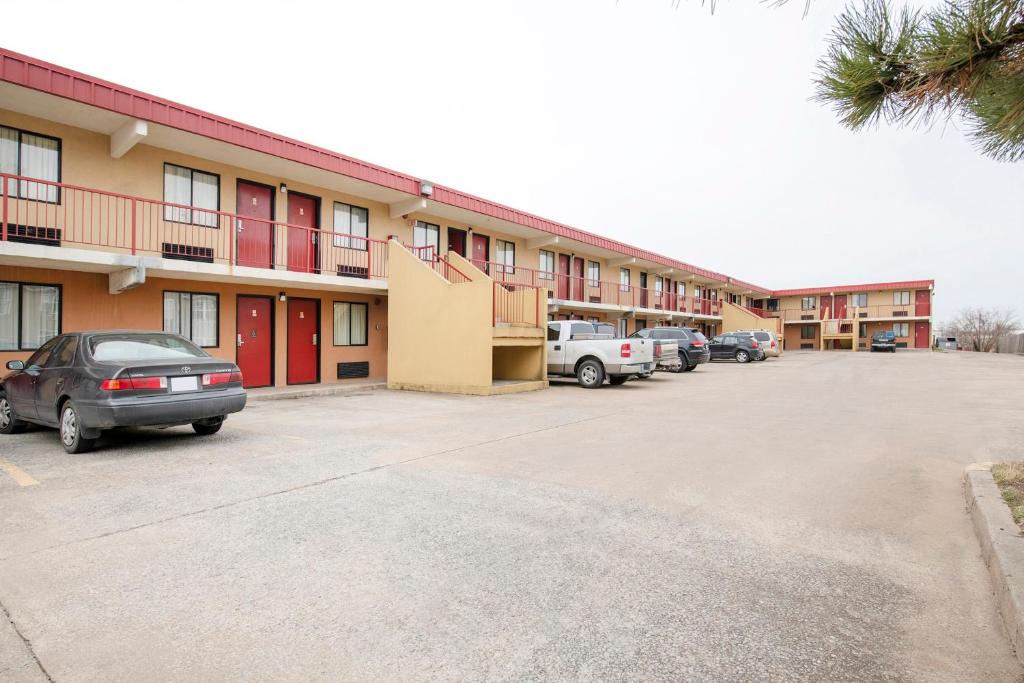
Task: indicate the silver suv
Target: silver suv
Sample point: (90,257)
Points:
(768,341)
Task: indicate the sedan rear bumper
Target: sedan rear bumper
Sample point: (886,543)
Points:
(160,411)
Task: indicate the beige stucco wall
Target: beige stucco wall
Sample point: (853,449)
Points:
(737,318)
(86,304)
(440,333)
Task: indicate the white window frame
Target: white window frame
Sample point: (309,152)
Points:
(901,298)
(16,310)
(594,273)
(625,279)
(901,329)
(344,237)
(546,261)
(25,189)
(188,331)
(205,216)
(505,256)
(421,233)
(857,298)
(808,303)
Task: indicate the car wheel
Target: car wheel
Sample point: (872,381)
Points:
(679,368)
(742,357)
(590,374)
(690,368)
(71,431)
(208,427)
(9,423)
(618,379)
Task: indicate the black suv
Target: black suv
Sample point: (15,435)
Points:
(884,340)
(738,346)
(693,346)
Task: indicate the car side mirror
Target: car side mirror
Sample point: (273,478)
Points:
(15,365)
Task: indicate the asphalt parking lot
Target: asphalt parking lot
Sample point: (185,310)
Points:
(798,519)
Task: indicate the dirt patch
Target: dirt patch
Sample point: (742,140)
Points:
(1009,478)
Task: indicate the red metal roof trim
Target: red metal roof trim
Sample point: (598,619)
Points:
(908,284)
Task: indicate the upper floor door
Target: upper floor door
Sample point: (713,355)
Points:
(840,306)
(255,226)
(922,302)
(563,276)
(303,221)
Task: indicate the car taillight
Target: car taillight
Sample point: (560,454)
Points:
(697,343)
(214,378)
(657,349)
(753,343)
(126,383)
(773,343)
(626,351)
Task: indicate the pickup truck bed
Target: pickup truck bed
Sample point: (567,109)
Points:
(575,349)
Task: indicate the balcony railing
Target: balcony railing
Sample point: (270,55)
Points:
(516,304)
(56,214)
(574,288)
(851,313)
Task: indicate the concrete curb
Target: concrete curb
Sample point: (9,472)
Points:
(1002,548)
(307,392)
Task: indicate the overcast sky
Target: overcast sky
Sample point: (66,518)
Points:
(680,131)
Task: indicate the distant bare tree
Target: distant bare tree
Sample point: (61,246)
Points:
(979,329)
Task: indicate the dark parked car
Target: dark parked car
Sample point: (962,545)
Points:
(738,346)
(693,346)
(85,382)
(884,340)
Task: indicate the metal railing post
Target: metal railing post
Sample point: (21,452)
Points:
(134,227)
(4,227)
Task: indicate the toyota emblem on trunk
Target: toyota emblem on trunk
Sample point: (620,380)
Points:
(185,369)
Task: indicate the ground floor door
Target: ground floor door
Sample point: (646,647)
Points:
(303,221)
(255,225)
(303,341)
(921,336)
(563,276)
(255,340)
(457,241)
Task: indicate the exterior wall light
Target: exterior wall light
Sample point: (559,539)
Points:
(284,189)
(282,297)
(426,188)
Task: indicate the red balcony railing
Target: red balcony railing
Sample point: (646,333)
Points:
(55,214)
(449,272)
(572,288)
(517,304)
(875,311)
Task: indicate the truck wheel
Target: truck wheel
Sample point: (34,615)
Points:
(742,356)
(618,379)
(679,368)
(590,374)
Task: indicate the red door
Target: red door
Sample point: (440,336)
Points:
(922,302)
(577,279)
(825,304)
(302,236)
(255,344)
(255,228)
(303,341)
(840,307)
(921,340)
(457,241)
(481,251)
(563,276)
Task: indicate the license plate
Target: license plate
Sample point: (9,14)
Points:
(184,383)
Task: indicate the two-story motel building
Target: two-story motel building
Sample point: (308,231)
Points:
(125,210)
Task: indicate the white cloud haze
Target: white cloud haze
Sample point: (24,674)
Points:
(687,133)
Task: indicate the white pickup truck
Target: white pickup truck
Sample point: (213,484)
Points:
(576,349)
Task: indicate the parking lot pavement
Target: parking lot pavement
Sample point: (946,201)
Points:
(797,519)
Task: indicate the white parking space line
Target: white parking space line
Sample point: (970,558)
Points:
(19,475)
